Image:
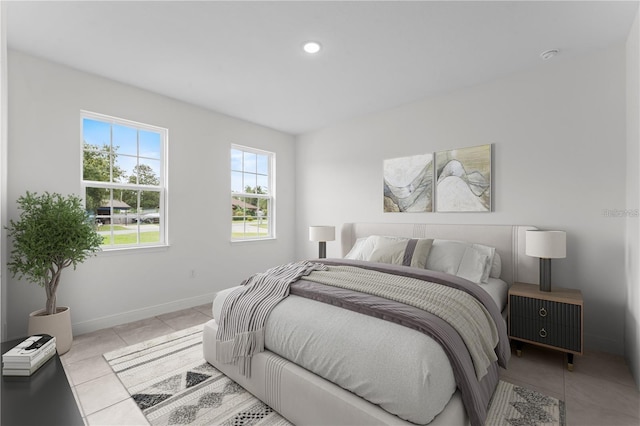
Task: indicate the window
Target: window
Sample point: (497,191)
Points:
(124,180)
(252,194)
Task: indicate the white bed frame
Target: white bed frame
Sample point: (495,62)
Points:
(306,399)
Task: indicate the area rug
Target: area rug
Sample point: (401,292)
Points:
(172,384)
(519,406)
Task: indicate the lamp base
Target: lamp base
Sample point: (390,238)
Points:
(545,274)
(322,249)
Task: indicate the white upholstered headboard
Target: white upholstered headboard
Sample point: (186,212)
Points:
(508,240)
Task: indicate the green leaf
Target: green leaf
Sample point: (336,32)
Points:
(53,232)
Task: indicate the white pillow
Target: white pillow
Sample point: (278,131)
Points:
(489,252)
(361,250)
(473,265)
(446,255)
(496,266)
(364,246)
(381,240)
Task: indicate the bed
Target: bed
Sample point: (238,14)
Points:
(381,372)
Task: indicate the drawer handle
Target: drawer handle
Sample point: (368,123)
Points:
(543,312)
(543,333)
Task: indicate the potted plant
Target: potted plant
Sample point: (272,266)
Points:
(52,233)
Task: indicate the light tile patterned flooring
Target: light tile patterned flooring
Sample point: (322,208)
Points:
(101,398)
(600,391)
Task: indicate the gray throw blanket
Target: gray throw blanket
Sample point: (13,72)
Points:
(466,314)
(245,311)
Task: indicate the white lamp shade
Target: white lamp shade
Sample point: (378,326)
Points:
(322,233)
(546,244)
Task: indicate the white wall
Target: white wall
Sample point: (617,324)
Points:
(559,142)
(632,255)
(3,167)
(45,100)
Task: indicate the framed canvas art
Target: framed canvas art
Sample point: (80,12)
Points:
(463,179)
(408,184)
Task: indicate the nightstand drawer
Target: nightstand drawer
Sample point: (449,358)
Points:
(546,332)
(528,307)
(544,321)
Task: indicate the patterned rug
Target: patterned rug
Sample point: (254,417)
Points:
(173,385)
(518,406)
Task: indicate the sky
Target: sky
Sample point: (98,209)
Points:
(133,146)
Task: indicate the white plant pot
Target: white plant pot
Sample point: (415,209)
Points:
(57,325)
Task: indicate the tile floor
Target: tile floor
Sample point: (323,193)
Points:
(600,391)
(101,398)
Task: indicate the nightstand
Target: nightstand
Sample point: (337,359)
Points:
(552,319)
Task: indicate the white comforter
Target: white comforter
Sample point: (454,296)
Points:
(400,369)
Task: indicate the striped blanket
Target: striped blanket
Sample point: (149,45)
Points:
(245,311)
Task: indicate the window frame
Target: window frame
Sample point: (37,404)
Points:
(271,196)
(162,187)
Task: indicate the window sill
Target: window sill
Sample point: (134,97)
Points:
(252,240)
(130,250)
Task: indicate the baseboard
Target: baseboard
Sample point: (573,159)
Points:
(140,314)
(602,344)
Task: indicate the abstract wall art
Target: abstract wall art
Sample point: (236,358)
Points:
(463,179)
(408,184)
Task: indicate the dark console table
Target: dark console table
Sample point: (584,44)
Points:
(44,398)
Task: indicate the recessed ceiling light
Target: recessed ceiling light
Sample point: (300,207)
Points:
(312,47)
(548,54)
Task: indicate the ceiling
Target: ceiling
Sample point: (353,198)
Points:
(245,59)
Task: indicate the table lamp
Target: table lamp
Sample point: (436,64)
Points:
(322,234)
(546,245)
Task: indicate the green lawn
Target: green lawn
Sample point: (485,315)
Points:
(115,228)
(145,237)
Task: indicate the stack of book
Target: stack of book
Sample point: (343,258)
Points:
(26,357)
